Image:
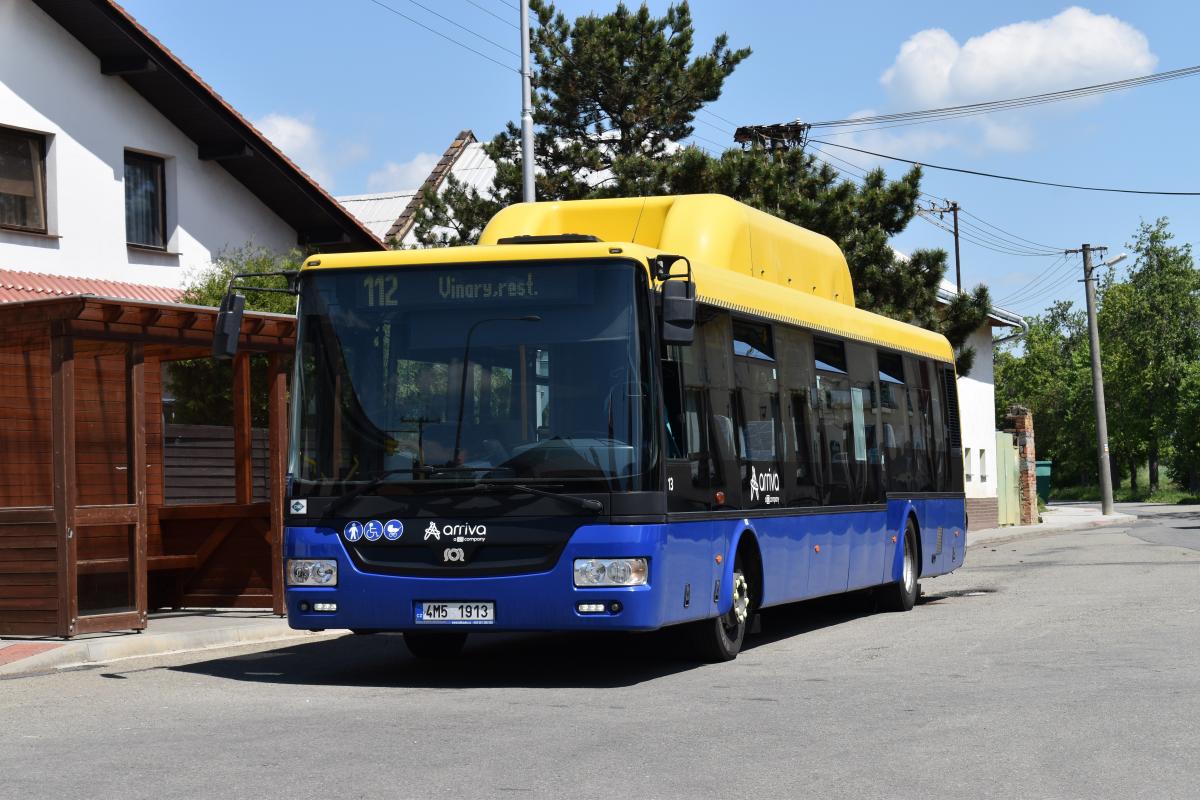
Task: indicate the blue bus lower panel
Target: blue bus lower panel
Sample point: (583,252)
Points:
(691,570)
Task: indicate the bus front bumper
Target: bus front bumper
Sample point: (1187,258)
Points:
(541,601)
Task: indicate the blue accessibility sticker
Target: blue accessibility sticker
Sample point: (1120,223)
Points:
(353,531)
(373,530)
(393,529)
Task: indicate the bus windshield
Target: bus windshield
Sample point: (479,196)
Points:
(408,379)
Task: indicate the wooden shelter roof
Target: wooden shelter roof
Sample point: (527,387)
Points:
(176,330)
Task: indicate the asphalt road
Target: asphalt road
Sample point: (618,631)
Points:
(1059,667)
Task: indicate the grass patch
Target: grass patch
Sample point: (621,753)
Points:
(1166,493)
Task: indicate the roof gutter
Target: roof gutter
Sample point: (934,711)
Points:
(1024,330)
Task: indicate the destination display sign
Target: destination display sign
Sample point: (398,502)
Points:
(455,286)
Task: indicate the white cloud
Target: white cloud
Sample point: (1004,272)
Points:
(408,175)
(1071,49)
(301,142)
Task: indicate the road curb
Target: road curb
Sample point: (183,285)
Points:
(102,651)
(1005,535)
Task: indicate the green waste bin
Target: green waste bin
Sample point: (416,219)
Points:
(1043,480)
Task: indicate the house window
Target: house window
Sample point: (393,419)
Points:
(145,201)
(967,461)
(982,466)
(22,181)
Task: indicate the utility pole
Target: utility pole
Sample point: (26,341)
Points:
(952,207)
(529,194)
(1089,285)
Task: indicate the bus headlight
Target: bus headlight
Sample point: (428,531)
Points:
(311,572)
(611,571)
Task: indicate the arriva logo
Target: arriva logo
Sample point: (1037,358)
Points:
(456,533)
(763,482)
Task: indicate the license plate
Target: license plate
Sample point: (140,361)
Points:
(455,613)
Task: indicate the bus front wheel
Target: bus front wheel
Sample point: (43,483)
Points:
(720,639)
(902,595)
(434,645)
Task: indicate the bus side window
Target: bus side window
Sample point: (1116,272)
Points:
(836,409)
(952,424)
(691,475)
(756,401)
(931,377)
(920,416)
(869,456)
(894,426)
(802,466)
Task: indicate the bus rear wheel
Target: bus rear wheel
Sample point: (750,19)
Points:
(902,595)
(720,639)
(434,645)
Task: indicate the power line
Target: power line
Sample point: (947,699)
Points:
(998,246)
(462,27)
(1005,177)
(1040,284)
(450,39)
(991,106)
(1010,233)
(1046,278)
(513,6)
(972,232)
(715,115)
(1062,276)
(1003,250)
(505,20)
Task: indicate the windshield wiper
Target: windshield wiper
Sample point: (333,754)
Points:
(381,477)
(585,503)
(374,483)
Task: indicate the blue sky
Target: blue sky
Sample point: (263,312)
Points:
(365,100)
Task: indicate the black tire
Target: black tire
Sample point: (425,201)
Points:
(720,639)
(434,645)
(902,595)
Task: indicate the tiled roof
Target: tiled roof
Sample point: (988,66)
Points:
(16,286)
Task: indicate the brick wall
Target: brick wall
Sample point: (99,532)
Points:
(1019,421)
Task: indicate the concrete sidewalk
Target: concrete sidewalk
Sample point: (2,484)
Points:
(1066,517)
(168,632)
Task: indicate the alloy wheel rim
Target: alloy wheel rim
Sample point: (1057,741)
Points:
(741,599)
(908,566)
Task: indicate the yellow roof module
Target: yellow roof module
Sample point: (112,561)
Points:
(742,259)
(712,230)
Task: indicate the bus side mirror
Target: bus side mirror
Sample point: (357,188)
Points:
(228,326)
(678,312)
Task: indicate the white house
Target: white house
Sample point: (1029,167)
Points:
(392,215)
(118,162)
(977,412)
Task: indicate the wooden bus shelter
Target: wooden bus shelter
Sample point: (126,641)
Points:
(88,539)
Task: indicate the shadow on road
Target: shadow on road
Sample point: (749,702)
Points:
(594,660)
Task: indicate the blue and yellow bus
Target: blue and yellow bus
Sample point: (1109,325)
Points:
(610,415)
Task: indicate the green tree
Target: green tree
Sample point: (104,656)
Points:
(1049,372)
(1185,460)
(1152,338)
(202,387)
(609,91)
(613,93)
